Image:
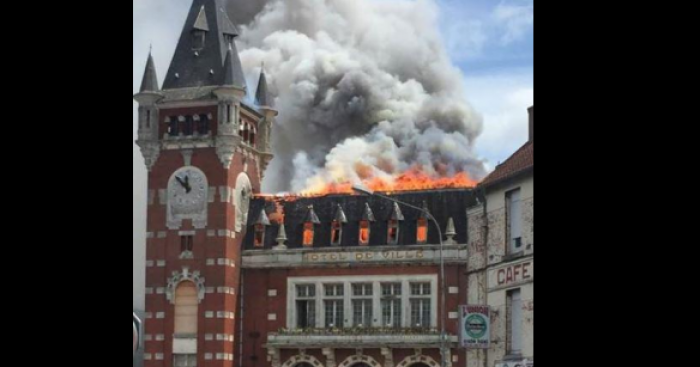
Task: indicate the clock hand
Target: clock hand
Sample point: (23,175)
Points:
(188,188)
(180,181)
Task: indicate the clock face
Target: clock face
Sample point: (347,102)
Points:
(187,192)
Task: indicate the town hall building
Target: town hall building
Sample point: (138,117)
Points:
(238,279)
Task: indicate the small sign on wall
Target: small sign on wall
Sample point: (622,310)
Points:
(475,327)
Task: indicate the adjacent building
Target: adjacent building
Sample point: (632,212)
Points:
(501,267)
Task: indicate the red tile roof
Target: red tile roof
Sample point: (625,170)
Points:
(520,161)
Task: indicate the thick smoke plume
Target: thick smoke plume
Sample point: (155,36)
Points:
(365,89)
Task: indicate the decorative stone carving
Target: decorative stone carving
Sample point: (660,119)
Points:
(179,277)
(388,355)
(150,150)
(418,358)
(274,357)
(302,358)
(359,358)
(187,156)
(329,353)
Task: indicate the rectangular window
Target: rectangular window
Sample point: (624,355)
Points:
(306,306)
(259,235)
(393,235)
(186,244)
(514,322)
(391,305)
(364,233)
(308,234)
(172,126)
(334,313)
(420,305)
(336,233)
(362,305)
(514,212)
(185,360)
(422,235)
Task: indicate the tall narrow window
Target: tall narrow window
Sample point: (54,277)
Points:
(514,213)
(148,119)
(420,305)
(422,235)
(186,308)
(252,135)
(364,233)
(186,245)
(203,127)
(362,305)
(391,305)
(187,125)
(259,235)
(393,235)
(172,126)
(334,305)
(336,233)
(514,322)
(306,306)
(308,234)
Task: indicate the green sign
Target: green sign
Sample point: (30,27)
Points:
(475,327)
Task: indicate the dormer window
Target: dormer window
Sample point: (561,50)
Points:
(259,235)
(337,226)
(199,30)
(198,39)
(365,225)
(364,233)
(393,225)
(336,233)
(422,226)
(309,222)
(393,235)
(422,235)
(260,227)
(308,234)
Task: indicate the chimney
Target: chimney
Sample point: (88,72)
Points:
(531,112)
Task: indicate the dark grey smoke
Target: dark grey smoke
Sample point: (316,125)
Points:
(243,11)
(365,89)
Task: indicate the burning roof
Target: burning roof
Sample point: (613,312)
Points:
(443,204)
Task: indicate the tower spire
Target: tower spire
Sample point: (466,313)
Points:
(262,96)
(150,78)
(200,55)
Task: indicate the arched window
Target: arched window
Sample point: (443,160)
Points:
(186,309)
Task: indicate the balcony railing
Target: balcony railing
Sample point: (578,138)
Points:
(357,337)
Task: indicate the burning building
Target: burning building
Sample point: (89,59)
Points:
(235,278)
(351,280)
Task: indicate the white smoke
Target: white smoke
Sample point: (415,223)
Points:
(365,89)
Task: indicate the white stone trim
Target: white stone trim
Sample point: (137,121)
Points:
(415,359)
(272,317)
(272,292)
(453,315)
(160,315)
(347,281)
(357,358)
(453,290)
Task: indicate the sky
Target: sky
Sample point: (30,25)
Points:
(491,41)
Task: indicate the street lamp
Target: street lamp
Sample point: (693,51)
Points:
(443,335)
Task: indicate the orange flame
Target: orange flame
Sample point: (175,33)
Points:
(412,180)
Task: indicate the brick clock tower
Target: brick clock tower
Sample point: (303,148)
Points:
(206,145)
